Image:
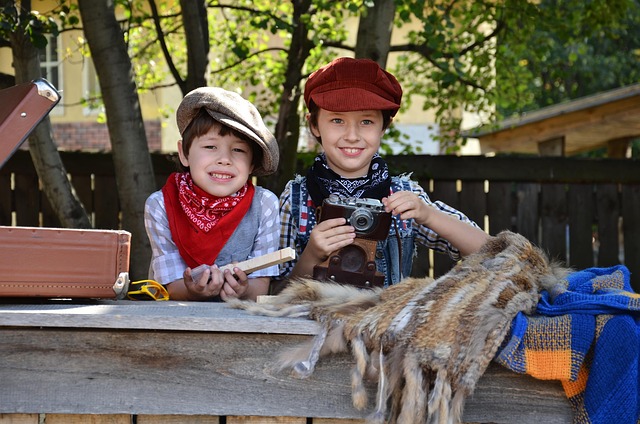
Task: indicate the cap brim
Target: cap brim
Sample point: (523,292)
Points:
(232,123)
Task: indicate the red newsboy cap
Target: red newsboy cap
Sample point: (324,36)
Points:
(348,84)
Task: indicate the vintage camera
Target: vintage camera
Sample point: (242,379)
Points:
(355,264)
(366,215)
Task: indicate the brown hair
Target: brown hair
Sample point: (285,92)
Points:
(201,124)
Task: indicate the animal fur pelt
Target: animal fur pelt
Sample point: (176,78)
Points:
(428,341)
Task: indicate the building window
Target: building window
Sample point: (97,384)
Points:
(91,88)
(50,66)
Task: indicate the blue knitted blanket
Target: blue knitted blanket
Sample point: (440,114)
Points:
(588,337)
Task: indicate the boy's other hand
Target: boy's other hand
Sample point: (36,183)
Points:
(408,205)
(235,284)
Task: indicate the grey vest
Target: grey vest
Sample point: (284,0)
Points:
(240,244)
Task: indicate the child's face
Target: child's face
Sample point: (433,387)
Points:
(219,165)
(349,139)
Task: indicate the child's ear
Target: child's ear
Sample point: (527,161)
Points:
(388,125)
(312,128)
(184,160)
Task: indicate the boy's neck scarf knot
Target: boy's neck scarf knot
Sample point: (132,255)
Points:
(323,181)
(201,223)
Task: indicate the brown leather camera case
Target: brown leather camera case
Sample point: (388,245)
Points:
(52,262)
(62,262)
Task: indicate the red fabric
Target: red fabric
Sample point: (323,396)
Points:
(201,225)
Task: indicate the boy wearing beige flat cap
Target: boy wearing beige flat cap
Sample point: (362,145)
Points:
(351,103)
(211,213)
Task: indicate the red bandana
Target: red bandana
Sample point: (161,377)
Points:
(200,223)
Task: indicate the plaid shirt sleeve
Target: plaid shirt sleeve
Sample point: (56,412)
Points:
(288,230)
(268,233)
(429,238)
(166,263)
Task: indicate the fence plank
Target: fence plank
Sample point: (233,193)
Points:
(500,207)
(27,200)
(553,220)
(82,186)
(581,220)
(527,210)
(6,200)
(631,230)
(446,192)
(473,201)
(106,203)
(608,212)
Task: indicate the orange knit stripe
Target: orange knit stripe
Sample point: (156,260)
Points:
(573,388)
(549,365)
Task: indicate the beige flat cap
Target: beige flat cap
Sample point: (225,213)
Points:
(236,112)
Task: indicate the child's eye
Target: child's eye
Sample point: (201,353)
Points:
(239,150)
(209,146)
(337,121)
(367,122)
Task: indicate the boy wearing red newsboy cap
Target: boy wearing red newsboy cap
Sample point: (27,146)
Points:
(351,103)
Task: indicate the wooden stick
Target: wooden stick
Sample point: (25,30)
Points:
(253,264)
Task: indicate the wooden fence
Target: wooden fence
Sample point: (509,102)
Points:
(581,211)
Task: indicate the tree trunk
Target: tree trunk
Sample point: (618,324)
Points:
(374,32)
(44,153)
(196,29)
(288,126)
(132,162)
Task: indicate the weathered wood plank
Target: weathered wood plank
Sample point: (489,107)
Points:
(6,200)
(528,199)
(581,211)
(608,212)
(27,200)
(206,373)
(19,419)
(446,192)
(631,228)
(500,207)
(473,201)
(177,419)
(87,419)
(553,220)
(133,315)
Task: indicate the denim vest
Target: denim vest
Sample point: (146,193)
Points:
(240,244)
(400,244)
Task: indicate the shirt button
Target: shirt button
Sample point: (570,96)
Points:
(379,254)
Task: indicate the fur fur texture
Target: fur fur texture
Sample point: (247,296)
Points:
(428,342)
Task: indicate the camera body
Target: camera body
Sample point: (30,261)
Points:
(355,264)
(366,215)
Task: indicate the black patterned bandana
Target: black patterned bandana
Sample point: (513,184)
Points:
(323,181)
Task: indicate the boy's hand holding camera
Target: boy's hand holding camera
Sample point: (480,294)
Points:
(326,237)
(215,282)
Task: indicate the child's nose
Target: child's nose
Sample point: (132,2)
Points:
(224,157)
(352,133)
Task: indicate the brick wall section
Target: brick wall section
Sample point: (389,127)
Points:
(93,136)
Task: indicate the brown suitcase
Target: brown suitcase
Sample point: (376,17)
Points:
(53,262)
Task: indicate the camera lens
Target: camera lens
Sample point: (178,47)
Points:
(361,220)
